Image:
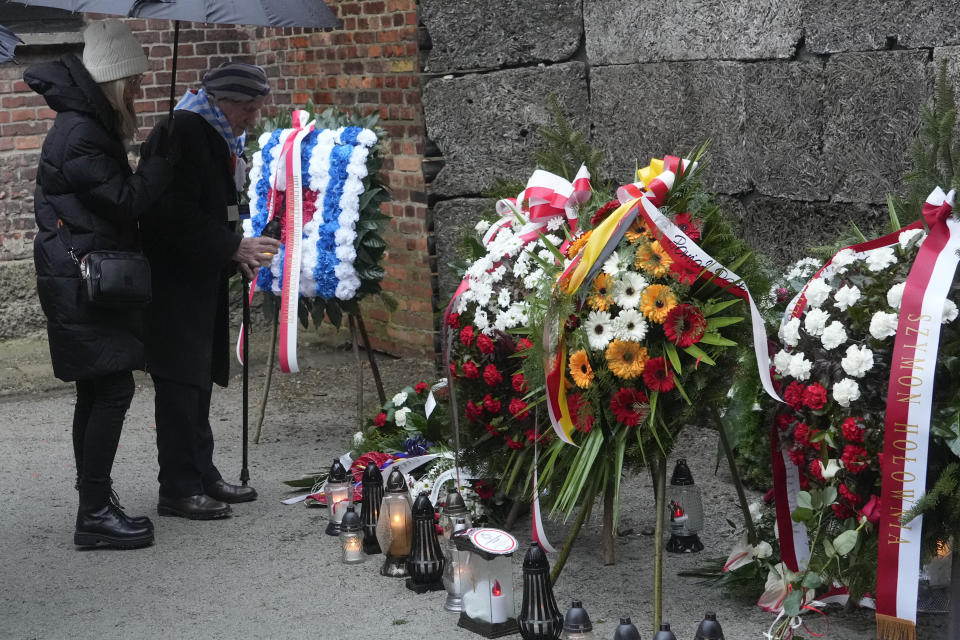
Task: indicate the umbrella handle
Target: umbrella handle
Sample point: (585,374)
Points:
(173,75)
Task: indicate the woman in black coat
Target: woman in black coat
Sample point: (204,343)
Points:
(88,198)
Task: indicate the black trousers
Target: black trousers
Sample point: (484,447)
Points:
(98,416)
(184,438)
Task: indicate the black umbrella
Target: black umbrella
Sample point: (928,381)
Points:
(8,42)
(263,13)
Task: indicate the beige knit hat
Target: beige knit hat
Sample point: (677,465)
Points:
(111,52)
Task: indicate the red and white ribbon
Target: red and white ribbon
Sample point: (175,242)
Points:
(538,533)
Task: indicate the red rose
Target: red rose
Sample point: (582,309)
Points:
(520,383)
(485,344)
(784,421)
(852,430)
(491,375)
(872,510)
(491,404)
(380,420)
(518,408)
(523,344)
(474,412)
(793,396)
(657,376)
(484,489)
(842,511)
(492,430)
(453,320)
(854,458)
(514,444)
(420,387)
(470,370)
(466,335)
(815,396)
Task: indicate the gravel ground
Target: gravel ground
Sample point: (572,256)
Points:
(269,571)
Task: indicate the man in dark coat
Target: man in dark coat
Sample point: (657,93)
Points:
(193,249)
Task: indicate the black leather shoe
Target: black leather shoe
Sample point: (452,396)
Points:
(230,493)
(107,526)
(198,507)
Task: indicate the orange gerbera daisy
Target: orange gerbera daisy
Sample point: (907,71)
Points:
(626,359)
(578,243)
(637,232)
(653,259)
(580,369)
(656,302)
(600,297)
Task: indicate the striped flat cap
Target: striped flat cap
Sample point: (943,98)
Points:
(236,81)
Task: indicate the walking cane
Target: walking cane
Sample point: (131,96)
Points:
(244,471)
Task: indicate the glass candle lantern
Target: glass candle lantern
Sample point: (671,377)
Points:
(540,618)
(665,633)
(339,494)
(576,623)
(426,560)
(488,604)
(372,484)
(709,628)
(626,630)
(351,537)
(685,508)
(453,509)
(455,572)
(395,526)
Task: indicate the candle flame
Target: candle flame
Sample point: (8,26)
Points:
(677,510)
(496,588)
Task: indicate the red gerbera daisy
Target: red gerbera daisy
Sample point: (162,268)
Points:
(603,212)
(688,225)
(630,406)
(684,325)
(658,376)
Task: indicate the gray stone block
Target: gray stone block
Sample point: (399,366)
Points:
(784,129)
(869,25)
(872,114)
(498,33)
(951,55)
(454,220)
(620,32)
(19,304)
(784,230)
(487,126)
(645,111)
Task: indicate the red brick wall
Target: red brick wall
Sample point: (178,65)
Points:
(371,64)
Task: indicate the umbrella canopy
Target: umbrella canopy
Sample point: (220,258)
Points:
(263,13)
(8,42)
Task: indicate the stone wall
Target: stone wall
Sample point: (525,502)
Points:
(809,106)
(370,65)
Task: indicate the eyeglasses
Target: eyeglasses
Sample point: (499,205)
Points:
(133,81)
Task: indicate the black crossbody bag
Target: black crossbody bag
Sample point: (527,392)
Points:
(113,279)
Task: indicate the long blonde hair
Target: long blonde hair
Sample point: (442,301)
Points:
(125,122)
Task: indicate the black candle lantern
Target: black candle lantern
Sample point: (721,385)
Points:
(576,623)
(425,562)
(454,509)
(395,526)
(686,511)
(664,633)
(540,618)
(626,630)
(339,494)
(709,628)
(370,507)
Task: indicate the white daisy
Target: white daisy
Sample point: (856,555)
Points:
(817,292)
(781,361)
(599,329)
(628,288)
(907,237)
(858,361)
(880,259)
(612,266)
(799,367)
(815,321)
(949,312)
(846,297)
(555,223)
(400,416)
(399,399)
(833,336)
(883,325)
(790,332)
(630,325)
(895,295)
(846,391)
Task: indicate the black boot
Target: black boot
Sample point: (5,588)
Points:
(137,521)
(100,522)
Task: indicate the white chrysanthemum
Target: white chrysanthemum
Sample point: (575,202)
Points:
(817,292)
(400,416)
(895,295)
(883,325)
(612,266)
(522,266)
(803,268)
(628,288)
(358,439)
(503,298)
(599,328)
(756,510)
(843,258)
(554,240)
(630,325)
(399,399)
(846,296)
(482,292)
(478,270)
(833,336)
(480,319)
(907,237)
(815,321)
(949,312)
(846,391)
(781,362)
(858,361)
(790,332)
(880,259)
(532,279)
(555,224)
(546,255)
(799,367)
